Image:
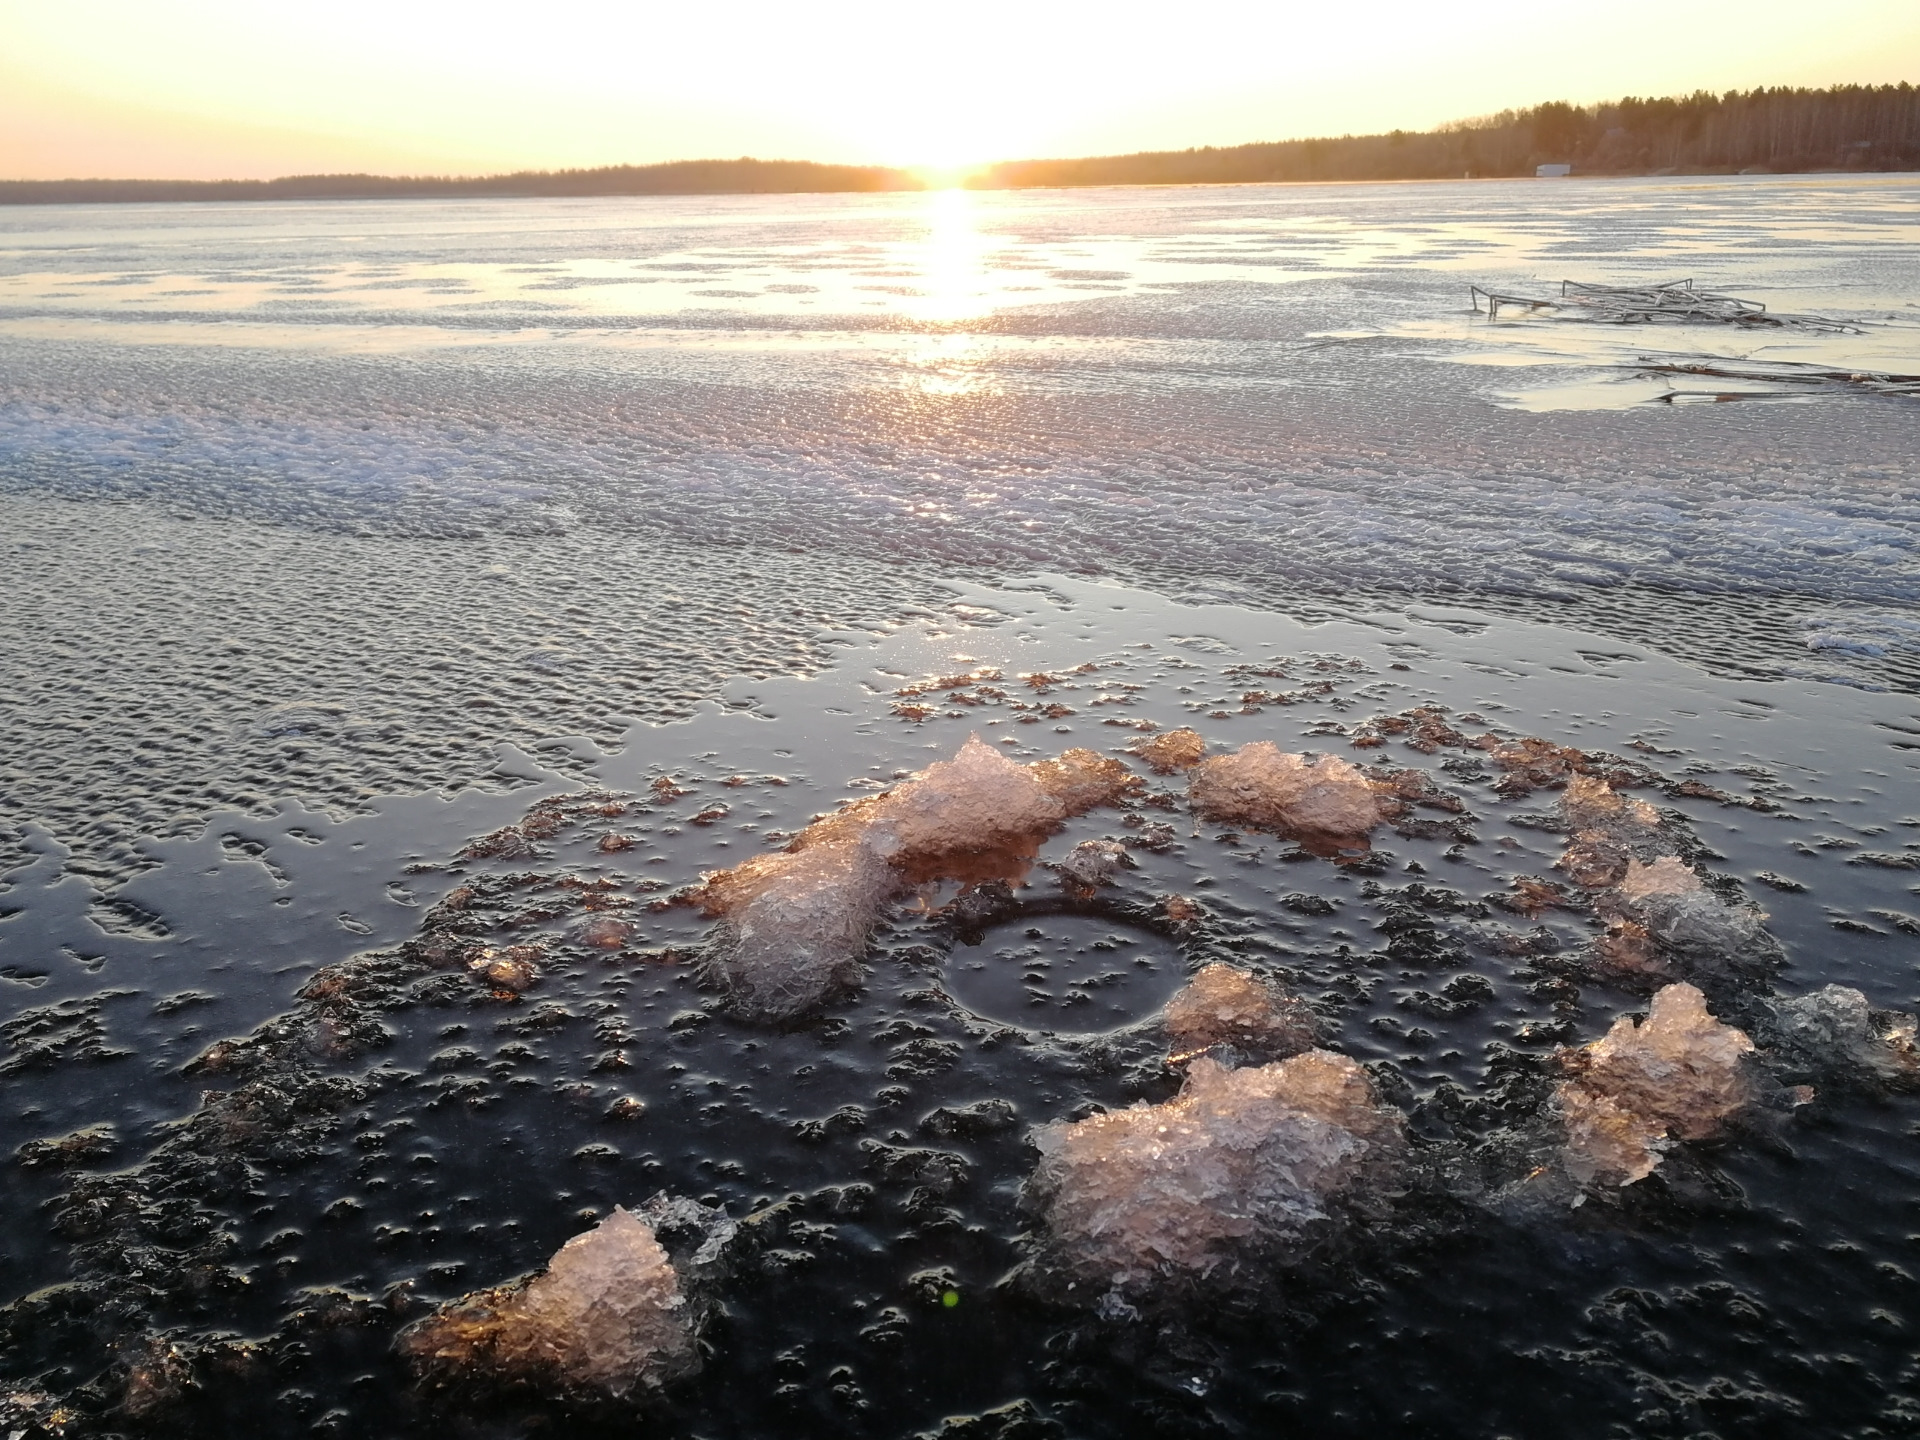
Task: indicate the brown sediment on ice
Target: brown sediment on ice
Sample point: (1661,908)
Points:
(1679,1075)
(794,924)
(1240,1163)
(1255,1018)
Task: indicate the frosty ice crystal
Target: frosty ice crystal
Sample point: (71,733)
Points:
(607,1320)
(1225,1006)
(1835,1033)
(1262,786)
(1239,1163)
(795,924)
(1680,1075)
(1093,863)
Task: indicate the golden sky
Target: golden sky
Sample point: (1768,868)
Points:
(244,88)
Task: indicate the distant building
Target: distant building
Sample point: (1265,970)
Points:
(1551,172)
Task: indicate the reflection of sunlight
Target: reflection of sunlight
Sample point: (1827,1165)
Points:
(953,268)
(954,287)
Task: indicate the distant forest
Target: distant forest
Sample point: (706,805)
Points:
(1850,127)
(1846,128)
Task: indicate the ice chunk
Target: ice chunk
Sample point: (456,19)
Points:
(794,925)
(978,800)
(1262,786)
(1835,1030)
(1225,1006)
(607,1320)
(1680,1074)
(1667,876)
(1180,749)
(1684,925)
(1083,779)
(1093,863)
(1251,1159)
(1608,832)
(794,930)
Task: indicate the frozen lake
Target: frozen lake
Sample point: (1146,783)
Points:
(339,535)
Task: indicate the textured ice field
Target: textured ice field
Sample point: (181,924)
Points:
(1248,392)
(340,541)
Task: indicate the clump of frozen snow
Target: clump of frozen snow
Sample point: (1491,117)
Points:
(1265,787)
(1835,1033)
(976,801)
(1093,863)
(1686,926)
(794,931)
(1256,1019)
(608,1320)
(1081,780)
(1608,831)
(794,925)
(1171,750)
(1240,1162)
(1681,1074)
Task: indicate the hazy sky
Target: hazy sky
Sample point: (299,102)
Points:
(208,88)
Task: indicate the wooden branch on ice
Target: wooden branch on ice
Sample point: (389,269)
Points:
(1675,300)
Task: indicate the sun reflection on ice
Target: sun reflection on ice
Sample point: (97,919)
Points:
(955,287)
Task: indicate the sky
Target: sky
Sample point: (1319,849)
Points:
(207,89)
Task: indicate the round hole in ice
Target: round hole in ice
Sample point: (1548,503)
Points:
(1065,972)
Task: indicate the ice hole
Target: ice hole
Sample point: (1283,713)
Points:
(1065,972)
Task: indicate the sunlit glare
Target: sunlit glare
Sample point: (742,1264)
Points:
(201,88)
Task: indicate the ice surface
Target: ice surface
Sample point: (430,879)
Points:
(1679,1075)
(1262,786)
(1257,1019)
(607,1319)
(1241,1161)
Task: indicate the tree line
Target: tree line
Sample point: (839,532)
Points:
(1844,128)
(1847,127)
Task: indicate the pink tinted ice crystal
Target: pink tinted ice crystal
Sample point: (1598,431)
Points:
(606,1320)
(1239,1159)
(1262,786)
(795,924)
(1225,1006)
(1680,1075)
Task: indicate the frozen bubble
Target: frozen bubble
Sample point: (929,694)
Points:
(1262,786)
(1240,1161)
(1680,1074)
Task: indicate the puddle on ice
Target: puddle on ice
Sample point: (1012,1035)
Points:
(256,1140)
